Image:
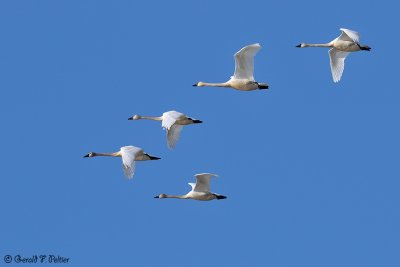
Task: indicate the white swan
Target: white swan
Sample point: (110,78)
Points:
(243,78)
(129,155)
(347,42)
(173,122)
(200,190)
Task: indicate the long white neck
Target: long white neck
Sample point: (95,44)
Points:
(172,196)
(317,45)
(150,118)
(115,154)
(226,84)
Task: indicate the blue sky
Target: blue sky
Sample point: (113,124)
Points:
(310,167)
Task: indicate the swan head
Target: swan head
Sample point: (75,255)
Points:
(89,155)
(161,196)
(199,84)
(135,117)
(301,45)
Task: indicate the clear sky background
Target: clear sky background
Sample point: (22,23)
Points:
(310,168)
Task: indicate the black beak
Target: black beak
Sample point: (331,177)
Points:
(86,156)
(194,84)
(156,197)
(153,158)
(298,45)
(130,119)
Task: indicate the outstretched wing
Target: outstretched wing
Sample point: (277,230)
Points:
(203,182)
(173,135)
(337,58)
(349,35)
(128,154)
(244,62)
(192,185)
(170,117)
(173,129)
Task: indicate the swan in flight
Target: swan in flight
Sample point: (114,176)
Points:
(200,189)
(173,122)
(243,78)
(129,155)
(347,42)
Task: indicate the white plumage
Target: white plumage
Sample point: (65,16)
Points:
(129,155)
(200,189)
(347,42)
(173,122)
(244,62)
(243,78)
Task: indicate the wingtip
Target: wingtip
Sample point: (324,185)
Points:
(207,173)
(129,176)
(170,146)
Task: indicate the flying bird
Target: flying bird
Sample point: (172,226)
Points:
(172,122)
(243,78)
(129,155)
(348,41)
(200,189)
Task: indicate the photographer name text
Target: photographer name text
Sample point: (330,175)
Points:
(44,258)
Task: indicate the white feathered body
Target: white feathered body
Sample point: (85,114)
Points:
(346,46)
(205,196)
(243,77)
(173,121)
(243,84)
